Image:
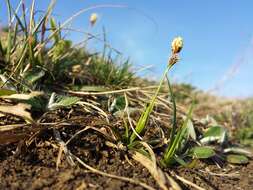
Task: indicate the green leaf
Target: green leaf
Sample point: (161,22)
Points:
(63,101)
(237,159)
(214,134)
(214,131)
(68,101)
(180,161)
(33,76)
(202,152)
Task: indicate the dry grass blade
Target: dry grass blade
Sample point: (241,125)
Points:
(106,135)
(110,91)
(154,171)
(23,96)
(173,183)
(93,170)
(11,138)
(129,118)
(82,103)
(5,128)
(18,110)
(58,160)
(150,164)
(230,175)
(185,181)
(62,148)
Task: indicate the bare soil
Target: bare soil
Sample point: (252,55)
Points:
(34,167)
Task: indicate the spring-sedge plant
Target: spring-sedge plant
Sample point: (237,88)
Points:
(176,46)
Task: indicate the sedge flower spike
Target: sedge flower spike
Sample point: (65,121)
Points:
(93,18)
(177,45)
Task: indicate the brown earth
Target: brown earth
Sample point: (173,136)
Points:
(35,166)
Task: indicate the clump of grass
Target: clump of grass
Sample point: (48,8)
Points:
(245,120)
(107,72)
(35,55)
(183,92)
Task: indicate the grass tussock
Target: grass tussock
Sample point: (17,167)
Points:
(36,56)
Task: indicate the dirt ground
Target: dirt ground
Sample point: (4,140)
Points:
(35,166)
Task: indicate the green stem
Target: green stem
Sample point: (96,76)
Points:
(174,119)
(145,115)
(160,85)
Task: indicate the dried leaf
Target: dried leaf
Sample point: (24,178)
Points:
(238,150)
(23,96)
(18,110)
(173,183)
(191,130)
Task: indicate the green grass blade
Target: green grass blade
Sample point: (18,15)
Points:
(145,115)
(171,150)
(46,16)
(19,22)
(9,45)
(54,28)
(174,118)
(24,19)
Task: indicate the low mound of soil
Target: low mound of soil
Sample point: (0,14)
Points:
(33,165)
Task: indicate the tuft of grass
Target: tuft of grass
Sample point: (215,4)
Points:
(245,133)
(36,56)
(107,72)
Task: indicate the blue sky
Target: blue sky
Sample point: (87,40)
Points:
(218,35)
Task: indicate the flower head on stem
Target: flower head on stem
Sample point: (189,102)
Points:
(93,19)
(176,47)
